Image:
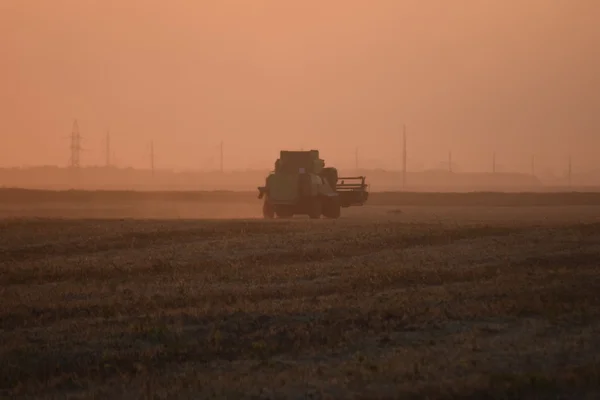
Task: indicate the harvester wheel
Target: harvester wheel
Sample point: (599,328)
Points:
(268,210)
(332,208)
(284,211)
(315,207)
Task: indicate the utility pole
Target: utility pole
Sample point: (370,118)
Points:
(75,145)
(404,156)
(108,149)
(221,156)
(570,170)
(152,157)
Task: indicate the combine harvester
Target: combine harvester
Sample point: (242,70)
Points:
(302,185)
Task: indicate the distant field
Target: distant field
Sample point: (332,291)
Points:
(22,197)
(388,302)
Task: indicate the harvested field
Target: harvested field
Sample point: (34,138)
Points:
(387,302)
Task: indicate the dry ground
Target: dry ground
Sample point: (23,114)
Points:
(383,303)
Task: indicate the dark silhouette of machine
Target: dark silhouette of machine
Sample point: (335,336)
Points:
(302,185)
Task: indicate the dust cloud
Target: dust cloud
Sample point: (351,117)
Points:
(148,209)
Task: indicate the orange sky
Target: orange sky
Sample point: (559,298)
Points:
(475,76)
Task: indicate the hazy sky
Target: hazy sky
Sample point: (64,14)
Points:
(518,77)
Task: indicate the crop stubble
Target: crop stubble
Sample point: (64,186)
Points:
(410,303)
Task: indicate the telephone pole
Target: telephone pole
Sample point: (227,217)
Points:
(221,156)
(404,156)
(108,149)
(75,145)
(570,170)
(152,157)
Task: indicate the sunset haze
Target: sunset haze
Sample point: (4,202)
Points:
(515,77)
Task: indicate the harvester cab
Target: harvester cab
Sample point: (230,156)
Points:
(301,184)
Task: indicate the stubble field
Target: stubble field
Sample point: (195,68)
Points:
(387,302)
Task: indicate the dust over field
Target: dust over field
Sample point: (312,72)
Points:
(386,302)
(235,205)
